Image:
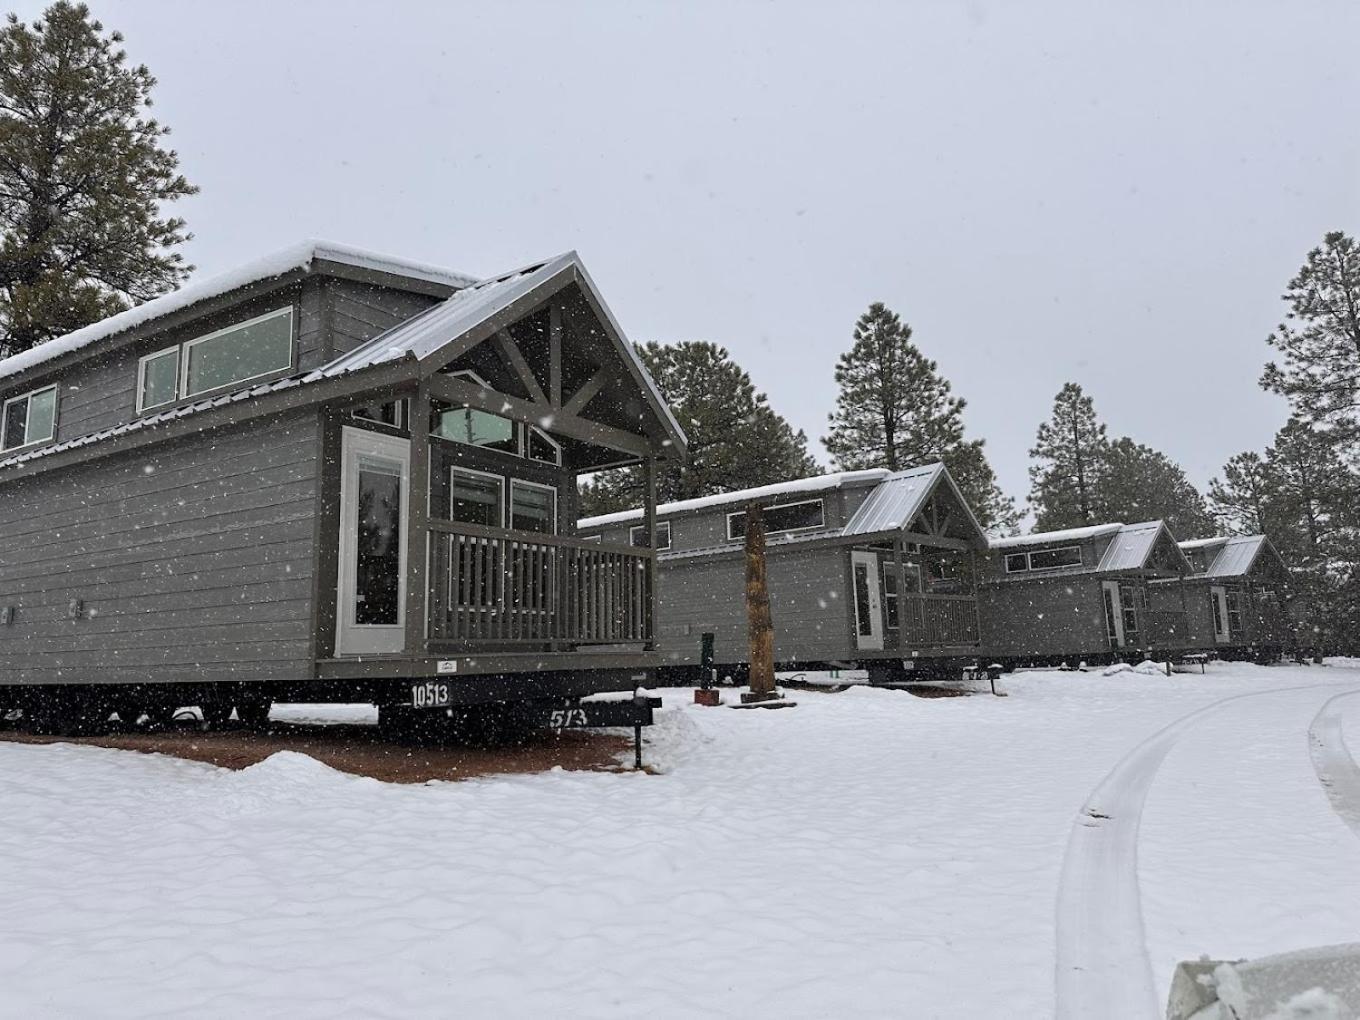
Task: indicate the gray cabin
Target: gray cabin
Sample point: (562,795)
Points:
(1081,594)
(326,475)
(1235,599)
(866,568)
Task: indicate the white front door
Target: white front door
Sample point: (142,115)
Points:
(1219,599)
(371,603)
(1114,614)
(868,601)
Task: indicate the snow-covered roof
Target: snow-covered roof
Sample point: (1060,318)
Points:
(1131,546)
(897,499)
(420,336)
(1201,543)
(817,483)
(1236,554)
(1045,537)
(286,260)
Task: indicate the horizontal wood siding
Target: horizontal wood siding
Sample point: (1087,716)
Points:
(192,561)
(807,603)
(360,311)
(1050,616)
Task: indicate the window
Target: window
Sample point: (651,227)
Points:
(477,428)
(476,497)
(637,536)
(533,507)
(785,517)
(1111,626)
(247,350)
(540,446)
(947,572)
(1130,601)
(30,418)
(1234,613)
(891,592)
(592,538)
(158,379)
(1053,559)
(1017,562)
(391,413)
(1218,614)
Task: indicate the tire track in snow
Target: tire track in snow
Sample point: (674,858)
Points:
(1103,967)
(1333,762)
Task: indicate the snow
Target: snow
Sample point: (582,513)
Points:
(286,260)
(817,483)
(866,853)
(1067,535)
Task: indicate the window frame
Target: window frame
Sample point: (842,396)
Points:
(510,505)
(402,423)
(504,504)
(820,500)
(525,431)
(184,359)
(1023,557)
(1030,568)
(141,377)
(28,396)
(642,527)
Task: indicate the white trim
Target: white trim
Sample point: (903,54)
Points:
(141,377)
(4,417)
(659,526)
(1115,605)
(353,638)
(557,447)
(873,641)
(821,501)
(532,485)
(189,344)
(504,506)
(1029,562)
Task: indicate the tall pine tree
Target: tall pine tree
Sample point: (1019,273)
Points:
(1070,449)
(1241,500)
(895,410)
(735,439)
(83,176)
(1138,483)
(1320,344)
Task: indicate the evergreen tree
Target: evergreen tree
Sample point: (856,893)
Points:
(82,179)
(895,410)
(1138,483)
(1070,448)
(1320,344)
(1240,502)
(735,440)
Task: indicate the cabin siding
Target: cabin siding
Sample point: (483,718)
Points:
(360,311)
(193,561)
(807,604)
(1043,616)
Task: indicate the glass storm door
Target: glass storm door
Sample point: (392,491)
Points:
(868,603)
(371,608)
(1218,598)
(1114,614)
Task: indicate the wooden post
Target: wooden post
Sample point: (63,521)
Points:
(417,523)
(759,626)
(898,566)
(649,529)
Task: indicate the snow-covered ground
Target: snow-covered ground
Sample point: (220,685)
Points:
(866,853)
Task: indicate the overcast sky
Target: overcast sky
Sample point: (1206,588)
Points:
(1045,192)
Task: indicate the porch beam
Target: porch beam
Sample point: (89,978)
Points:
(526,374)
(587,392)
(939,541)
(462,393)
(417,518)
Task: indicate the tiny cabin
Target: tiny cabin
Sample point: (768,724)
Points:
(328,475)
(1081,595)
(1235,598)
(874,569)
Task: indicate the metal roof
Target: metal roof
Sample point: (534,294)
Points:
(1131,547)
(1236,556)
(896,501)
(1066,535)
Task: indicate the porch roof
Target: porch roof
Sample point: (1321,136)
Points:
(1236,554)
(899,497)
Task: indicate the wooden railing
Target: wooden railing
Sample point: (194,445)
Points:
(489,586)
(939,620)
(1166,628)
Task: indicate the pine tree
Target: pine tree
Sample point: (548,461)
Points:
(1070,448)
(1138,483)
(1320,344)
(735,440)
(895,410)
(83,177)
(1240,502)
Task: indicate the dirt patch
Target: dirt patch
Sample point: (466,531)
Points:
(362,751)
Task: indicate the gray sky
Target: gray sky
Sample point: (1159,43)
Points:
(1112,194)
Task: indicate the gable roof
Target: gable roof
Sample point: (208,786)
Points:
(295,257)
(1235,555)
(419,338)
(799,486)
(1131,545)
(899,497)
